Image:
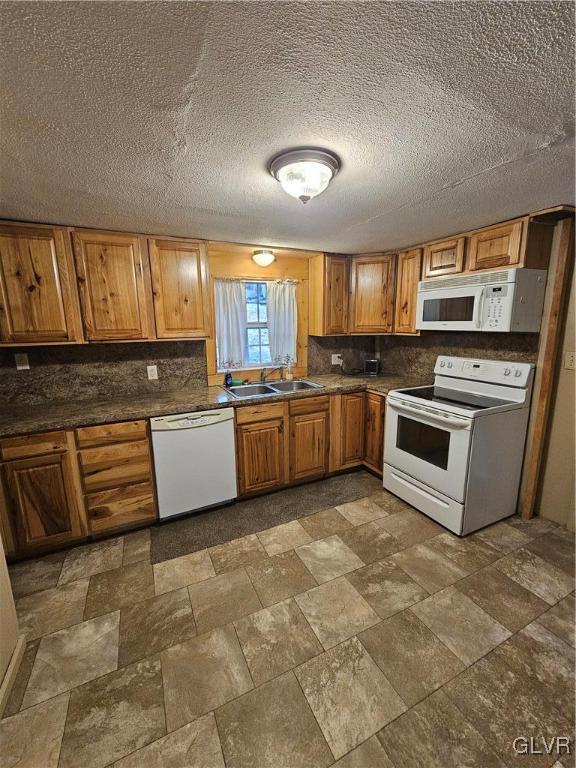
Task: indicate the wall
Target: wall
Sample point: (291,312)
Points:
(354,350)
(100,371)
(556,499)
(8,620)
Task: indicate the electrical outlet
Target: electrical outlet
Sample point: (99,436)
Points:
(569,361)
(152,372)
(22,362)
(337,360)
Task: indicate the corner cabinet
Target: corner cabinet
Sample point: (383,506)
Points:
(115,289)
(372,293)
(38,296)
(261,445)
(180,285)
(408,274)
(328,295)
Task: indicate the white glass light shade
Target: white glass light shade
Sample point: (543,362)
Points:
(304,173)
(263,258)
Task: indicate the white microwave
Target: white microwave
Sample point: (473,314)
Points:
(502,301)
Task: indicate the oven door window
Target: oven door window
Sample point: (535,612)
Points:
(453,309)
(427,443)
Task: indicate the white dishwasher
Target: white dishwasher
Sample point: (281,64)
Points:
(194,460)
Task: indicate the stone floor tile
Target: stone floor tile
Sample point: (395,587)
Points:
(467,553)
(136,547)
(413,659)
(463,626)
(370,754)
(524,687)
(325,523)
(560,620)
(536,526)
(182,571)
(281,538)
(272,727)
(223,599)
(117,588)
(32,738)
(434,734)
(410,527)
(16,695)
(275,640)
(555,548)
(279,577)
(539,576)
(35,575)
(503,537)
(237,553)
(83,562)
(505,600)
(370,542)
(350,697)
(72,656)
(202,674)
(155,624)
(43,612)
(336,611)
(114,715)
(195,745)
(386,587)
(361,511)
(328,558)
(431,569)
(390,504)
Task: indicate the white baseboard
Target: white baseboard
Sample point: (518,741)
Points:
(11,672)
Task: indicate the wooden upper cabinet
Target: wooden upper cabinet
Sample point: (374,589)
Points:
(328,295)
(180,287)
(372,294)
(38,298)
(407,276)
(495,247)
(443,258)
(115,289)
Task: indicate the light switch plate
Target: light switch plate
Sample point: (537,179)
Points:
(22,362)
(152,372)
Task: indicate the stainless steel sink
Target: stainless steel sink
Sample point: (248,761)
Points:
(252,390)
(294,386)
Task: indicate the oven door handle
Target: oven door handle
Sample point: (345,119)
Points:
(441,421)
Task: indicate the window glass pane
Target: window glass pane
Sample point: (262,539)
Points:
(262,292)
(253,355)
(251,292)
(253,337)
(252,313)
(264,336)
(265,357)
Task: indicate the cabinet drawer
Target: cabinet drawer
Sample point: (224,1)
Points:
(32,445)
(120,507)
(115,465)
(309,405)
(248,414)
(105,434)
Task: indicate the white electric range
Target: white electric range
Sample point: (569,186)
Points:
(454,450)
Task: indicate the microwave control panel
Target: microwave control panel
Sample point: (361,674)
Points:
(495,313)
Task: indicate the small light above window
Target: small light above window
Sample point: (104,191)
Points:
(263,258)
(304,173)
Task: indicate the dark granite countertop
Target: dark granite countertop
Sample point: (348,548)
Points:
(64,414)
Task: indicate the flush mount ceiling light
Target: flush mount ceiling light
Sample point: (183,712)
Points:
(304,173)
(263,258)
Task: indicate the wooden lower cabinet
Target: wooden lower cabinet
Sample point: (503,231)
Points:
(374,438)
(352,429)
(309,438)
(260,449)
(42,499)
(120,507)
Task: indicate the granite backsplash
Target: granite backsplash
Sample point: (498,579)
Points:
(354,350)
(100,371)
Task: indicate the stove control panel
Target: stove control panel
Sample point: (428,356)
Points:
(491,371)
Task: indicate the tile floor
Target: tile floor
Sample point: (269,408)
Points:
(363,636)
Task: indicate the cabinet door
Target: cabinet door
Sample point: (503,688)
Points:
(372,297)
(115,289)
(495,247)
(444,258)
(352,425)
(308,446)
(408,275)
(43,504)
(180,287)
(260,455)
(336,292)
(374,444)
(38,299)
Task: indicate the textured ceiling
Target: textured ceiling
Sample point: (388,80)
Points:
(160,117)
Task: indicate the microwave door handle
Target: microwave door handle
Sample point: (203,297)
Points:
(444,421)
(479,309)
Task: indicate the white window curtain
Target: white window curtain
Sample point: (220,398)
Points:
(230,323)
(282,321)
